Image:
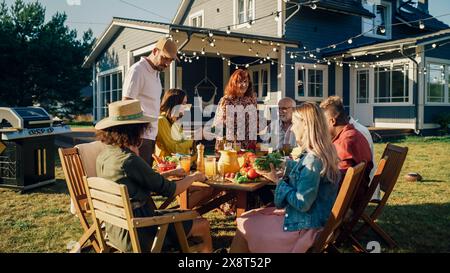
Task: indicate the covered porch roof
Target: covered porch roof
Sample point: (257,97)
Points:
(195,39)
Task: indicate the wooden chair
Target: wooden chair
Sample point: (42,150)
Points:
(395,157)
(326,239)
(348,226)
(111,204)
(77,162)
(74,172)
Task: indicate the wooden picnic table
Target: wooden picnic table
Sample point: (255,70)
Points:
(232,190)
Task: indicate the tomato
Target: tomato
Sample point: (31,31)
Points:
(252,174)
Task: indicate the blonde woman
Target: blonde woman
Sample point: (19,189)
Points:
(304,196)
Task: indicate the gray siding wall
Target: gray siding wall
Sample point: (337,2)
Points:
(219,13)
(132,39)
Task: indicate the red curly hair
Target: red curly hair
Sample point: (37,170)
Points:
(232,87)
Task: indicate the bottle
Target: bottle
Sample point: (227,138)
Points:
(201,158)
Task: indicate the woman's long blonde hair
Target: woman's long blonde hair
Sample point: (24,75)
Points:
(315,138)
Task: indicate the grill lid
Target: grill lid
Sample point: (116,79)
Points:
(24,117)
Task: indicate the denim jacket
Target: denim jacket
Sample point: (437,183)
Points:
(306,196)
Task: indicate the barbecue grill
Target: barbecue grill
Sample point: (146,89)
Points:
(28,157)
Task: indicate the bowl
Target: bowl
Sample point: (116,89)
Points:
(164,167)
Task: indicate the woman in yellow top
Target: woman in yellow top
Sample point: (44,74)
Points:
(170,138)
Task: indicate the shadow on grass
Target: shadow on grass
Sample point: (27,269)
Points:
(59,187)
(415,228)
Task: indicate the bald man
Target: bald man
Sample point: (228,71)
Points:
(286,137)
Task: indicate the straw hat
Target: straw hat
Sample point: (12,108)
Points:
(124,113)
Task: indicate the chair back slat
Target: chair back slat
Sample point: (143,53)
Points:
(73,171)
(340,208)
(109,208)
(396,158)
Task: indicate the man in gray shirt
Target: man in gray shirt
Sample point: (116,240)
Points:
(286,138)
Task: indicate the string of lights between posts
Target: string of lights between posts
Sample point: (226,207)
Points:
(305,54)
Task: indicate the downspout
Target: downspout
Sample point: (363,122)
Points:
(416,88)
(94,93)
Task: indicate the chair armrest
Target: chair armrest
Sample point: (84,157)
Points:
(164,219)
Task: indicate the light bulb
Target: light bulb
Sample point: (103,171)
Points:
(314,6)
(421,25)
(350,41)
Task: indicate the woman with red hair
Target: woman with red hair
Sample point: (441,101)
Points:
(238,92)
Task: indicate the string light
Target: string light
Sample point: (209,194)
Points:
(314,6)
(421,25)
(277,17)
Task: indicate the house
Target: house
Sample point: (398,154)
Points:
(388,59)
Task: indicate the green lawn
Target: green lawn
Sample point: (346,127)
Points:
(417,215)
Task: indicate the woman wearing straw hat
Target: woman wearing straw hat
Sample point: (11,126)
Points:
(121,131)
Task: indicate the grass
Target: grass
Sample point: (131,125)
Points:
(417,215)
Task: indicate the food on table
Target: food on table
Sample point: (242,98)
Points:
(263,163)
(252,174)
(166,164)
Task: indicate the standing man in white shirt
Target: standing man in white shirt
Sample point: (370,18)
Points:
(143,82)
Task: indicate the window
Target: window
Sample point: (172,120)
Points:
(245,11)
(391,83)
(380,26)
(260,79)
(311,81)
(438,83)
(362,86)
(110,89)
(315,83)
(196,19)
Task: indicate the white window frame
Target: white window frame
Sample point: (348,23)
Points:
(258,68)
(438,61)
(388,23)
(307,67)
(105,73)
(200,13)
(236,23)
(410,83)
(368,71)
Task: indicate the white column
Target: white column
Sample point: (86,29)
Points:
(282,71)
(421,86)
(172,75)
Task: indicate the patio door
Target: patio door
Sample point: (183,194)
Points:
(363,97)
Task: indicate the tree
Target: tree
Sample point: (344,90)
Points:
(40,62)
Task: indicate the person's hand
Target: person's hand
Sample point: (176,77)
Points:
(270,175)
(198,176)
(179,172)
